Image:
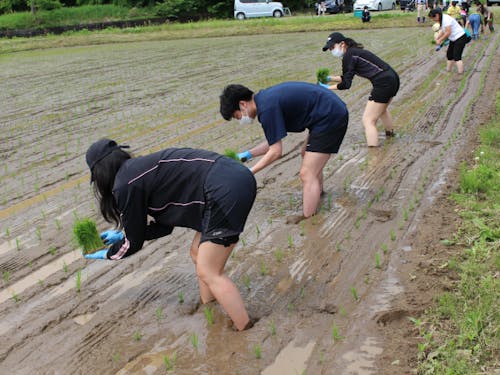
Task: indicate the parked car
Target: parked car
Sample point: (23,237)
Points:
(332,6)
(375,4)
(491,2)
(257,8)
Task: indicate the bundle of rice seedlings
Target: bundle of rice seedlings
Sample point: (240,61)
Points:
(86,236)
(231,154)
(321,75)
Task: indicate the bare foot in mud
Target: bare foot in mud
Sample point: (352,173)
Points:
(295,219)
(249,325)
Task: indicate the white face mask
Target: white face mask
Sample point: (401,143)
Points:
(337,52)
(245,119)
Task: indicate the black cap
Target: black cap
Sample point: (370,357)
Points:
(99,150)
(333,38)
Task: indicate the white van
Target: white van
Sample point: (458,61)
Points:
(257,8)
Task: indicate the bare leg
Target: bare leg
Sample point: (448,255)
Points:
(205,293)
(386,119)
(460,66)
(310,172)
(373,111)
(449,65)
(210,269)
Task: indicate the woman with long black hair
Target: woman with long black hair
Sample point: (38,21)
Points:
(358,61)
(184,187)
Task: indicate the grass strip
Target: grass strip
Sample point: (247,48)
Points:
(461,335)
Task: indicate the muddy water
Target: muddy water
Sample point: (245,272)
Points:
(127,317)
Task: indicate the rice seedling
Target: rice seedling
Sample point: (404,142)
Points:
(290,240)
(273,328)
(337,247)
(263,269)
(243,242)
(38,233)
(65,267)
(58,224)
(52,250)
(78,280)
(342,311)
(302,228)
(209,315)
(392,234)
(159,313)
(18,244)
(279,254)
(367,280)
(7,232)
(290,307)
(40,282)
(354,293)
(357,222)
(170,361)
(405,215)
(194,340)
(137,336)
(15,297)
(322,74)
(302,292)
(246,281)
(269,220)
(180,297)
(116,357)
(257,350)
(6,276)
(86,236)
(335,333)
(377,260)
(258,230)
(384,248)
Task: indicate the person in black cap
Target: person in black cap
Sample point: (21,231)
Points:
(291,107)
(184,187)
(358,61)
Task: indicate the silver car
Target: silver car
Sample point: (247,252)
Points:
(375,4)
(257,8)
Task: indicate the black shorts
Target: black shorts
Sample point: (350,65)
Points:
(230,190)
(328,142)
(385,86)
(456,48)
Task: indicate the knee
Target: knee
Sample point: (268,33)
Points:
(305,175)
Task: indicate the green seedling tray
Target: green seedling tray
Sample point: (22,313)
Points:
(86,236)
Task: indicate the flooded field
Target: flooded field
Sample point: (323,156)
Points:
(319,288)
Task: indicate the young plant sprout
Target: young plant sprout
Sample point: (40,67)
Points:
(278,254)
(290,241)
(263,269)
(231,154)
(335,333)
(6,276)
(194,340)
(180,297)
(209,315)
(78,281)
(384,248)
(137,336)
(246,281)
(257,351)
(322,74)
(86,236)
(159,313)
(273,328)
(15,297)
(393,235)
(377,260)
(354,293)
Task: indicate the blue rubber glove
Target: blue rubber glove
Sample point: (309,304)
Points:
(99,254)
(109,237)
(244,156)
(324,85)
(328,78)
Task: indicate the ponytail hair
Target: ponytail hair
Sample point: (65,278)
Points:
(104,172)
(352,43)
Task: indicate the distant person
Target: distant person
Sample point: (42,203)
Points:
(183,187)
(454,11)
(365,16)
(291,107)
(474,22)
(487,19)
(321,8)
(358,61)
(451,30)
(422,5)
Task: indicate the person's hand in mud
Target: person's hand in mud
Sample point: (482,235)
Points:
(110,237)
(99,254)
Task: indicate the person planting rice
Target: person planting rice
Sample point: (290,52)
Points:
(455,33)
(358,61)
(291,107)
(184,187)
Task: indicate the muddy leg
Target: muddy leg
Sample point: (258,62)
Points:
(206,295)
(310,172)
(210,269)
(373,111)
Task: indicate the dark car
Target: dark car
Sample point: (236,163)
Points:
(332,6)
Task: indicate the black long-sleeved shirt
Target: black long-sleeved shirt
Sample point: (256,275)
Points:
(166,185)
(358,61)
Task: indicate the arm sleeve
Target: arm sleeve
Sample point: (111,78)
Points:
(273,124)
(347,72)
(132,203)
(155,230)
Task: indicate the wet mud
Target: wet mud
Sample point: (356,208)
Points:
(325,290)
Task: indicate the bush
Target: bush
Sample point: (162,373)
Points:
(45,4)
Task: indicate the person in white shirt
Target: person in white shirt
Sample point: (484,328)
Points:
(451,30)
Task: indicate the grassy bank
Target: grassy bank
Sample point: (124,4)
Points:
(460,334)
(210,28)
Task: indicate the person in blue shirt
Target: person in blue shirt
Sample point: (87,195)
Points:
(176,187)
(291,107)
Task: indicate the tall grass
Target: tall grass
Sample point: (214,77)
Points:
(464,332)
